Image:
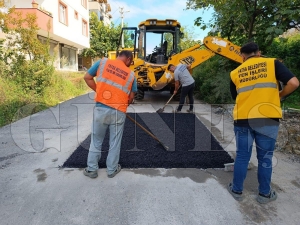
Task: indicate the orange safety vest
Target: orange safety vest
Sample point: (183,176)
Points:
(113,84)
(257,90)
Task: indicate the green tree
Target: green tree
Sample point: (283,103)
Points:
(103,38)
(244,20)
(189,38)
(26,59)
(287,50)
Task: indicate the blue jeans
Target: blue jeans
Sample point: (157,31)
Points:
(265,138)
(104,118)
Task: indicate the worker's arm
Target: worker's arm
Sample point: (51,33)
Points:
(290,87)
(131,98)
(133,91)
(90,74)
(177,82)
(284,75)
(233,91)
(177,85)
(89,80)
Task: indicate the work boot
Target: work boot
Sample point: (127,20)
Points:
(91,174)
(190,111)
(116,172)
(236,195)
(263,199)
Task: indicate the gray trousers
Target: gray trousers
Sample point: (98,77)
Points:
(114,120)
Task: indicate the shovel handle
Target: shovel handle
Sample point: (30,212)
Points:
(144,129)
(171,97)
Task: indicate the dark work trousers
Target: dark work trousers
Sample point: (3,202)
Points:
(187,91)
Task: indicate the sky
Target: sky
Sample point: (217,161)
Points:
(158,9)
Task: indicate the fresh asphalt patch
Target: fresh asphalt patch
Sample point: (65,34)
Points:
(191,145)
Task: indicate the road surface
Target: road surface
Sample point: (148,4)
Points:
(35,190)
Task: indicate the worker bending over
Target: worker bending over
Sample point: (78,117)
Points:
(182,76)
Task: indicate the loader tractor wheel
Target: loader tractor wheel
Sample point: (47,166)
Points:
(139,95)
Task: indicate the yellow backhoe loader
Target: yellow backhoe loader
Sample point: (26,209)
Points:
(155,44)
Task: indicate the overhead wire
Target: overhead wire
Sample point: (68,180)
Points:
(118,6)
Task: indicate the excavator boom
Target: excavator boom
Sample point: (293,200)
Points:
(223,47)
(151,68)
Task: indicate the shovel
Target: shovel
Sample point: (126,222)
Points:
(162,109)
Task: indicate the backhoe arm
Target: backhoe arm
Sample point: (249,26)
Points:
(224,48)
(192,56)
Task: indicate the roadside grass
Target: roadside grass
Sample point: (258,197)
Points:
(16,104)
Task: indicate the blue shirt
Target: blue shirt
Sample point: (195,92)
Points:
(93,72)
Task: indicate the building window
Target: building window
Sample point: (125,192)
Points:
(76,15)
(84,28)
(84,3)
(63,13)
(68,57)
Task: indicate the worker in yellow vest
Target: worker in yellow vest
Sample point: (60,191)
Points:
(254,86)
(115,85)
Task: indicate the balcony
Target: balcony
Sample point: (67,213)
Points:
(95,6)
(108,8)
(44,19)
(99,1)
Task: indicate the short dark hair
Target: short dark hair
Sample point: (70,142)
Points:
(249,48)
(126,53)
(169,66)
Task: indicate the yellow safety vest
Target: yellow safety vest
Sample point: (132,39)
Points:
(257,90)
(113,84)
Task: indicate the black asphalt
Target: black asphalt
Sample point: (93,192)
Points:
(195,147)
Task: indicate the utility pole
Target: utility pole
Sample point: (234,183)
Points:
(122,17)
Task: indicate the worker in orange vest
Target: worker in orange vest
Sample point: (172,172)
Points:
(115,85)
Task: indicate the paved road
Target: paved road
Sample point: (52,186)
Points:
(34,190)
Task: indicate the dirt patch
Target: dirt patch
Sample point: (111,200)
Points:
(288,140)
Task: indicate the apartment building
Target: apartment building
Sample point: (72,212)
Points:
(69,27)
(102,9)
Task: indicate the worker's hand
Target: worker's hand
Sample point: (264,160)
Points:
(174,92)
(130,101)
(131,98)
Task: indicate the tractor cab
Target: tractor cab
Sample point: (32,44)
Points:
(154,41)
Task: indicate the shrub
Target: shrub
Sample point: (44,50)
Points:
(212,80)
(287,50)
(213,76)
